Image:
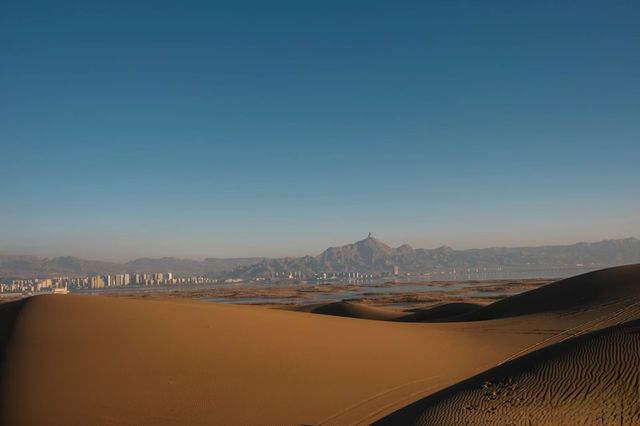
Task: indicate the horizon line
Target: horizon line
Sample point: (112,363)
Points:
(202,259)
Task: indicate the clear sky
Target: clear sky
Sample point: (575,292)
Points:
(269,128)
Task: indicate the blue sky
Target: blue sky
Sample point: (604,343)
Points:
(203,128)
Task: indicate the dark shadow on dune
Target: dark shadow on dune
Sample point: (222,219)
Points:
(355,310)
(446,312)
(9,313)
(575,293)
(440,313)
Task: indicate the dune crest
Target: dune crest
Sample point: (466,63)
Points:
(442,312)
(352,310)
(579,293)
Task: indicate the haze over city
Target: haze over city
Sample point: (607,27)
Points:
(279,129)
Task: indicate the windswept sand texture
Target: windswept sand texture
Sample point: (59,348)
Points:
(112,361)
(592,379)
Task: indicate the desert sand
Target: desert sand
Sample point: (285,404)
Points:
(567,350)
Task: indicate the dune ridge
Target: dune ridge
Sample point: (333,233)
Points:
(580,292)
(350,309)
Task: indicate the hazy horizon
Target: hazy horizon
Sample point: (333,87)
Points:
(200,258)
(150,129)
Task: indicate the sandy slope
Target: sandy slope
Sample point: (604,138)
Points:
(593,379)
(438,313)
(351,310)
(99,360)
(584,292)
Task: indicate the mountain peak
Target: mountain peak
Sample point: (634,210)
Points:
(372,242)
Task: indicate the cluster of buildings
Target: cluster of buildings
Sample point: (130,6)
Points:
(32,286)
(121,280)
(114,281)
(66,284)
(333,276)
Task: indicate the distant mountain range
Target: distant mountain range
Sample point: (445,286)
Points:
(373,256)
(366,256)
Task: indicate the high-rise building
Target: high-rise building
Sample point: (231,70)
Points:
(96,282)
(43,284)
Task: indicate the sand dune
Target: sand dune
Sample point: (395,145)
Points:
(592,379)
(99,360)
(352,310)
(581,292)
(108,361)
(442,312)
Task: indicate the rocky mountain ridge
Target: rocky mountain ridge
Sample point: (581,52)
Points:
(373,256)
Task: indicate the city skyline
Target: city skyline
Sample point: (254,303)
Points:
(360,263)
(282,128)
